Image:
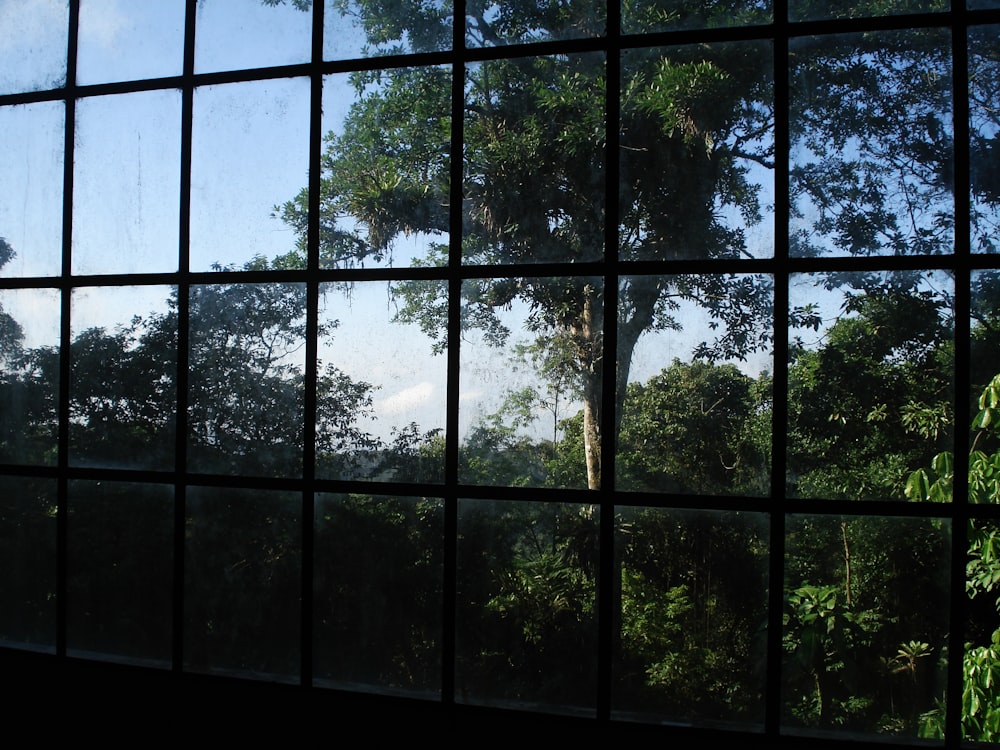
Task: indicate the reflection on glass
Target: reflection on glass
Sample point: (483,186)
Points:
(385,170)
(871,132)
(870,382)
(31,186)
(526,630)
(866,625)
(380,410)
(33,45)
(28,561)
(123,359)
(245,398)
(697,152)
(981,657)
(126,186)
(120,561)
(692,616)
(810,10)
(530,411)
(489,23)
(643,16)
(29,375)
(250,151)
(425,26)
(242,577)
(695,394)
(534,160)
(124,41)
(984,137)
(234,34)
(377,581)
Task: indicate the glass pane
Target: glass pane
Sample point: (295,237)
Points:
(695,384)
(33,45)
(378,578)
(31,173)
(364,30)
(866,625)
(123,361)
(697,152)
(870,382)
(245,410)
(692,617)
(530,402)
(250,152)
(534,160)
(811,10)
(983,4)
(126,187)
(380,409)
(981,657)
(28,559)
(29,375)
(385,170)
(526,631)
(984,136)
(234,34)
(242,581)
(982,438)
(490,23)
(123,41)
(119,598)
(642,16)
(871,134)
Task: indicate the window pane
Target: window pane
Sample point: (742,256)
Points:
(28,559)
(534,160)
(866,624)
(383,30)
(641,16)
(245,411)
(871,131)
(527,625)
(234,34)
(695,384)
(31,173)
(692,616)
(984,132)
(377,582)
(982,4)
(870,382)
(33,45)
(29,375)
(489,24)
(810,10)
(120,562)
(385,170)
(380,410)
(981,635)
(242,580)
(530,411)
(123,361)
(250,152)
(697,152)
(126,186)
(121,41)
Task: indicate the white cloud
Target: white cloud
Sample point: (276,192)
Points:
(102,23)
(408,398)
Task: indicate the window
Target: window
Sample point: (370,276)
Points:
(630,364)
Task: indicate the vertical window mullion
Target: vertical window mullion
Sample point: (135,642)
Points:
(962,372)
(62,511)
(779,383)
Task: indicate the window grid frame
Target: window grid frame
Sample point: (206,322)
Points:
(962,262)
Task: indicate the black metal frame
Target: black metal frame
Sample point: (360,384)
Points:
(32,669)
